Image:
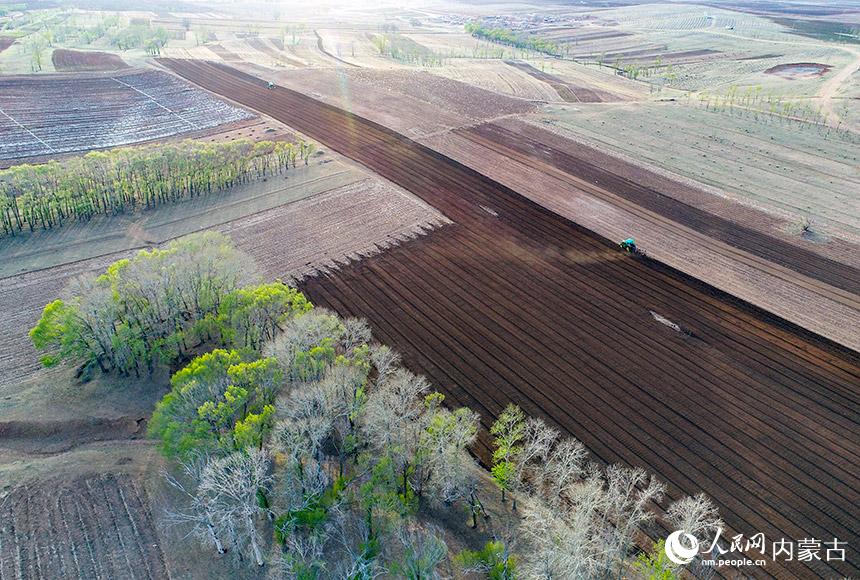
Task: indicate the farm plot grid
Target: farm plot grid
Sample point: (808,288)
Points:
(515,303)
(50,115)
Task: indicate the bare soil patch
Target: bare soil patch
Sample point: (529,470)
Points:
(65,60)
(799,70)
(416,103)
(276,51)
(224,53)
(48,437)
(6,42)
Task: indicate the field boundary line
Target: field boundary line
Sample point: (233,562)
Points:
(153,99)
(36,137)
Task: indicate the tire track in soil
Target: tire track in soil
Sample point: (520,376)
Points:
(550,316)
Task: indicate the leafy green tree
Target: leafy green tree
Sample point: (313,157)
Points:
(252,430)
(508,430)
(250,317)
(656,565)
(217,402)
(137,314)
(188,419)
(493,559)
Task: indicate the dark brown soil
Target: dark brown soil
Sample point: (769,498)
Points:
(515,304)
(47,437)
(86,61)
(6,42)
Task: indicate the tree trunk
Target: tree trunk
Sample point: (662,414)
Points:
(255,547)
(215,540)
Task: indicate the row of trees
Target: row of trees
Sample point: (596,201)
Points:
(119,180)
(804,113)
(404,49)
(298,432)
(511,38)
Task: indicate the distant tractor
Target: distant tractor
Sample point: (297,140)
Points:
(270,85)
(629,245)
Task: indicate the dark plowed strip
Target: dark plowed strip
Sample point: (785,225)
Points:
(569,92)
(515,303)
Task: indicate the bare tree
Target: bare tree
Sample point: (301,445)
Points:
(385,360)
(197,515)
(394,419)
(356,332)
(538,439)
(565,465)
(630,494)
(353,553)
(695,515)
(232,486)
(422,550)
(444,461)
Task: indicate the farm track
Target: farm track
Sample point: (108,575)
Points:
(515,303)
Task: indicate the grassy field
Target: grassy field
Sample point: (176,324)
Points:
(790,169)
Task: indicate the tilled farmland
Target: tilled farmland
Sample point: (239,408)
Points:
(90,527)
(65,60)
(43,115)
(645,365)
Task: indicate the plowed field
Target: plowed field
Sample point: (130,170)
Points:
(515,303)
(90,527)
(79,60)
(49,115)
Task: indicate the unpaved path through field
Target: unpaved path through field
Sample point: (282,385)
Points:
(516,303)
(829,89)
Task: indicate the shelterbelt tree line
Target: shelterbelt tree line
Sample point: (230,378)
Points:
(297,441)
(125,179)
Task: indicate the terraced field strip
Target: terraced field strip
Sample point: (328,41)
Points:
(567,91)
(515,303)
(841,281)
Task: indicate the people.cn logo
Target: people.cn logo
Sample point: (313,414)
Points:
(677,552)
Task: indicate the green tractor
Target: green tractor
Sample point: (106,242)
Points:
(629,245)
